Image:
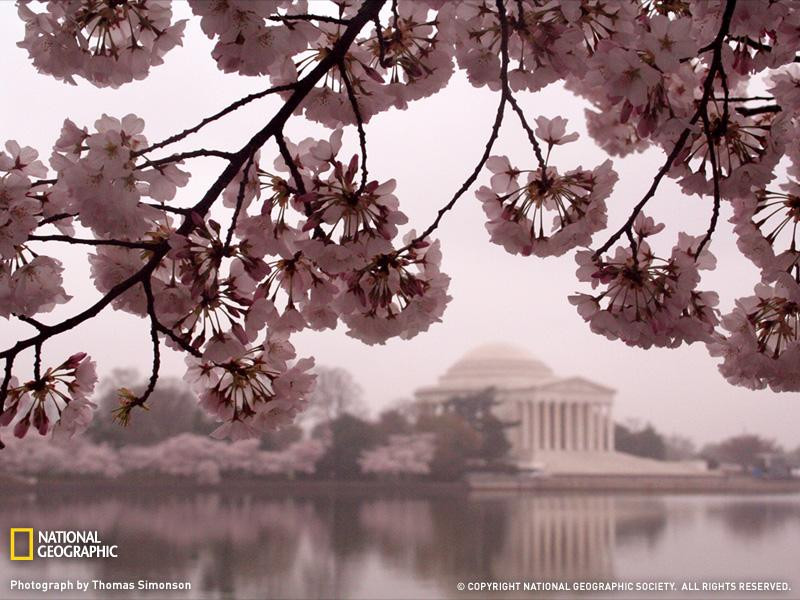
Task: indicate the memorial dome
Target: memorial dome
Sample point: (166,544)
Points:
(497,365)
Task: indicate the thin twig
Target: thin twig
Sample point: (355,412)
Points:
(54,218)
(362,135)
(140,400)
(92,242)
(299,185)
(239,201)
(6,381)
(712,155)
(308,17)
(37,362)
(202,153)
(758,110)
(708,86)
(31,321)
(225,111)
(498,121)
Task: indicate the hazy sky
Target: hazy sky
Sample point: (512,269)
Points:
(429,149)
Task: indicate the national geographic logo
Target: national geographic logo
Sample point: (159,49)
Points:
(58,544)
(22,551)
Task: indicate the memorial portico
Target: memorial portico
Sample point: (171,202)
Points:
(554,414)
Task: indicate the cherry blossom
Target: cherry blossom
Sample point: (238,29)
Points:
(399,294)
(251,392)
(403,455)
(45,401)
(761,347)
(548,213)
(646,300)
(107,43)
(294,235)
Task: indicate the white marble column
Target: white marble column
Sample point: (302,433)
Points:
(568,427)
(557,425)
(544,429)
(600,429)
(610,430)
(545,426)
(534,425)
(580,430)
(590,427)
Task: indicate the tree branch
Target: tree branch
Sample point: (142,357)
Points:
(362,135)
(184,155)
(92,242)
(239,201)
(708,86)
(216,116)
(287,158)
(301,89)
(498,121)
(308,17)
(758,110)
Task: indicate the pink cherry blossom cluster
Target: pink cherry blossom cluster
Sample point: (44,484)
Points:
(106,42)
(548,213)
(55,400)
(646,300)
(187,455)
(403,455)
(30,283)
(312,238)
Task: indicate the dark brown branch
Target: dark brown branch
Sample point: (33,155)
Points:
(6,383)
(184,345)
(37,362)
(151,311)
(362,135)
(758,110)
(301,89)
(92,242)
(528,130)
(308,17)
(202,153)
(239,201)
(167,208)
(501,13)
(216,116)
(43,182)
(31,321)
(381,44)
(54,218)
(748,98)
(708,86)
(287,158)
(712,155)
(498,121)
(122,414)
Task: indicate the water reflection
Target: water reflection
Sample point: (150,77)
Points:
(323,545)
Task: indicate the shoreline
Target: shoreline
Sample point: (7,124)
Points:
(633,484)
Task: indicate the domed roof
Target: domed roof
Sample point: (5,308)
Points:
(497,365)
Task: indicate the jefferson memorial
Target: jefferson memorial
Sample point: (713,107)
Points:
(564,424)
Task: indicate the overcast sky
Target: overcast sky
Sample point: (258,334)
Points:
(429,149)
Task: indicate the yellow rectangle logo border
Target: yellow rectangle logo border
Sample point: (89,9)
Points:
(12,534)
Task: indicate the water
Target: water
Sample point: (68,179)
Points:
(359,544)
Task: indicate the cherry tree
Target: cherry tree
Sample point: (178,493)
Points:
(402,455)
(315,241)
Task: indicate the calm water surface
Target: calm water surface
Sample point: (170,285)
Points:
(382,545)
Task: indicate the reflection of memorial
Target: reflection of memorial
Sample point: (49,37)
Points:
(559,537)
(564,423)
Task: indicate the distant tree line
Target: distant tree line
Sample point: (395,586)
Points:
(335,440)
